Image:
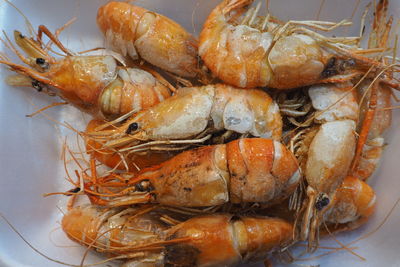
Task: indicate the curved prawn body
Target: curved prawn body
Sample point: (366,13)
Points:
(329,151)
(133,31)
(258,53)
(223,240)
(354,203)
(92,83)
(209,240)
(244,170)
(194,112)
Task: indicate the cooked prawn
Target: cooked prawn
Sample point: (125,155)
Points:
(265,52)
(210,240)
(133,31)
(326,151)
(193,113)
(244,170)
(92,83)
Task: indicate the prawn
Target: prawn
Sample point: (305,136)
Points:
(133,31)
(334,104)
(258,53)
(95,84)
(137,237)
(325,162)
(244,170)
(325,151)
(191,115)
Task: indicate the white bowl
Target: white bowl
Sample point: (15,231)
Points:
(30,148)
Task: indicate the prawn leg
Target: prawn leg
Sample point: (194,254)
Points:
(44,30)
(366,126)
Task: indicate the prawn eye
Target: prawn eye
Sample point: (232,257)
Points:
(42,63)
(144,186)
(330,68)
(75,190)
(37,85)
(321,203)
(132,127)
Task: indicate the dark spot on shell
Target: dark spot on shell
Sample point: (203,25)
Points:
(192,164)
(181,255)
(188,189)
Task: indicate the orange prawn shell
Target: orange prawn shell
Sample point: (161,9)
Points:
(115,14)
(81,226)
(82,79)
(258,172)
(220,240)
(195,177)
(211,237)
(247,57)
(265,234)
(244,170)
(256,70)
(358,192)
(354,203)
(164,43)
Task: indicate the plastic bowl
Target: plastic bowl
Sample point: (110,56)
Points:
(30,148)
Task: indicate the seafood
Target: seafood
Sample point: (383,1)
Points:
(142,237)
(326,151)
(257,52)
(354,203)
(329,157)
(331,151)
(92,83)
(329,162)
(244,170)
(194,112)
(133,31)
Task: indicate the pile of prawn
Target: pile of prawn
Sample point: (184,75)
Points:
(268,136)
